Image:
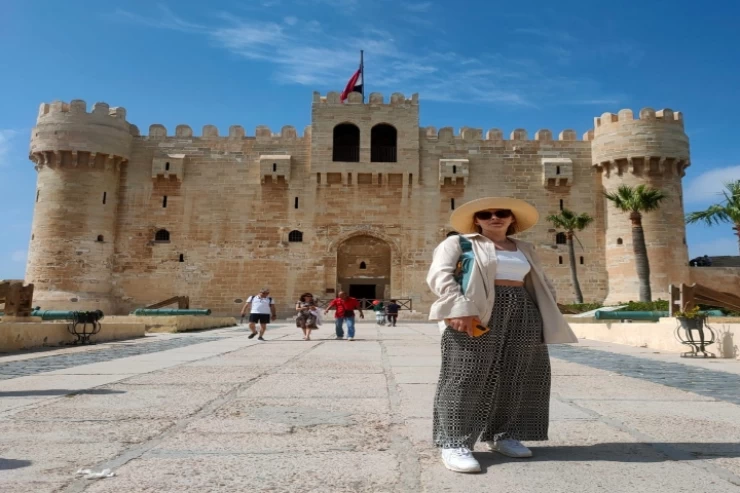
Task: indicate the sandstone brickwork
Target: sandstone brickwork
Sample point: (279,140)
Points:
(357,201)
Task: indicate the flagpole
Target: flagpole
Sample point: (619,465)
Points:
(362,73)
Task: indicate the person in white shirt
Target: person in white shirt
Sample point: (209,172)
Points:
(261,307)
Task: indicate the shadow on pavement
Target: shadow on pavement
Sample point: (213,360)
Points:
(620,452)
(7,464)
(50,392)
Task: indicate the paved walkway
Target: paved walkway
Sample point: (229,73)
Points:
(218,412)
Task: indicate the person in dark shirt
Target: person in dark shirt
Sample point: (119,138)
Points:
(391,310)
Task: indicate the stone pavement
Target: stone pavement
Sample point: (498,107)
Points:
(217,412)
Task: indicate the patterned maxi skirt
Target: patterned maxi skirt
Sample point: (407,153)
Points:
(497,385)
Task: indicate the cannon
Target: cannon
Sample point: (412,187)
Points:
(648,316)
(82,317)
(82,324)
(168,312)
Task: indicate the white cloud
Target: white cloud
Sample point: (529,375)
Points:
(5,142)
(18,256)
(300,52)
(418,7)
(721,246)
(707,188)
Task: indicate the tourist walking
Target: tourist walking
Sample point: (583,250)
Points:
(309,317)
(379,309)
(497,312)
(261,307)
(344,307)
(391,311)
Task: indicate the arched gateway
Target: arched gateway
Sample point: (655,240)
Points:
(364,267)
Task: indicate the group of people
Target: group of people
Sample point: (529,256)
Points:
(704,261)
(309,315)
(385,312)
(497,312)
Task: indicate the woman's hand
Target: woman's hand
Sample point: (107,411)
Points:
(462,324)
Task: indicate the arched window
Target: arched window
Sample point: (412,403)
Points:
(162,235)
(383,143)
(295,236)
(561,239)
(619,241)
(100,238)
(363,266)
(346,143)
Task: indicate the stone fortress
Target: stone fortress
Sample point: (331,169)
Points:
(358,202)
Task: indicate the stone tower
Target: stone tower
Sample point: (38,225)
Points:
(78,157)
(383,135)
(652,150)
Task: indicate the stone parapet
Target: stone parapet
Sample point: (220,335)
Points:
(66,134)
(15,336)
(654,143)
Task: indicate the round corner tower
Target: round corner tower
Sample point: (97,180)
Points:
(78,157)
(652,150)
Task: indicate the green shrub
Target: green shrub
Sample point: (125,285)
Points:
(645,306)
(580,307)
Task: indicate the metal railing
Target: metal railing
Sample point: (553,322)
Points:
(346,154)
(383,154)
(367,304)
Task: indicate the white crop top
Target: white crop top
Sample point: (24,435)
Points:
(511,266)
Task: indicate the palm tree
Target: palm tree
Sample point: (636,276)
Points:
(570,222)
(726,212)
(636,201)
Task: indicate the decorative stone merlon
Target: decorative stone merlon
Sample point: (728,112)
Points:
(275,166)
(169,166)
(454,169)
(557,172)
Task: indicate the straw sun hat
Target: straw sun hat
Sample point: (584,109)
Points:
(526,215)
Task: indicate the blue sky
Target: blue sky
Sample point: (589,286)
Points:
(536,64)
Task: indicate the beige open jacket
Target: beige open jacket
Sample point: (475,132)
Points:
(478,300)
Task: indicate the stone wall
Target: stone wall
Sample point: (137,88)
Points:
(227,208)
(725,279)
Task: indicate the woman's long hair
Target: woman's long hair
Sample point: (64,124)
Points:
(303,297)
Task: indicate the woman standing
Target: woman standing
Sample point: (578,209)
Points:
(494,386)
(307,319)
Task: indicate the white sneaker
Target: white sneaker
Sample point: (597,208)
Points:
(460,460)
(350,338)
(510,448)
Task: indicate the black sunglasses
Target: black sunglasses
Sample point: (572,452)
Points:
(501,214)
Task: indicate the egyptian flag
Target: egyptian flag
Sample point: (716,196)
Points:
(353,85)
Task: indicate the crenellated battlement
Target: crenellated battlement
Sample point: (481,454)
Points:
(666,116)
(655,142)
(262,132)
(374,99)
(76,110)
(467,134)
(66,129)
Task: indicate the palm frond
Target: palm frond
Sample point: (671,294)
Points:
(728,211)
(714,214)
(570,221)
(641,198)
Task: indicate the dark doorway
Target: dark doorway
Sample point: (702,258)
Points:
(361,291)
